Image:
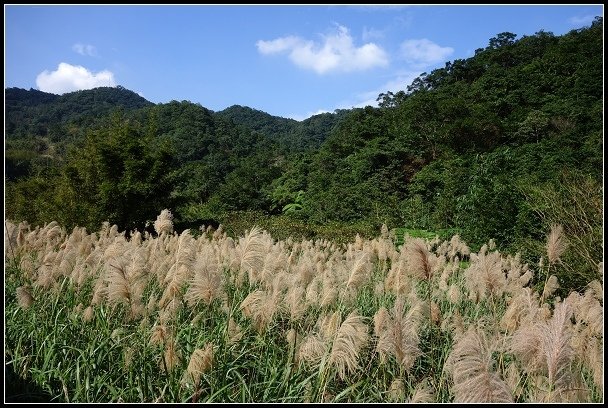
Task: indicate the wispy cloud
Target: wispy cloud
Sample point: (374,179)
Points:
(69,78)
(581,20)
(423,52)
(335,53)
(372,34)
(85,49)
(300,118)
(399,82)
(381,7)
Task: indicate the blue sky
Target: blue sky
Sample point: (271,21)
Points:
(289,61)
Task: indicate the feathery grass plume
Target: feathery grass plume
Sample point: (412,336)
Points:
(436,317)
(485,275)
(27,265)
(588,353)
(206,284)
(219,233)
(359,271)
(251,254)
(384,231)
(556,244)
(274,262)
(234,332)
(421,261)
(261,307)
(526,346)
(88,314)
(590,311)
(127,279)
(329,294)
(422,394)
(24,297)
(316,344)
(397,280)
(117,334)
(557,350)
(358,244)
(79,274)
(396,391)
(454,294)
(305,270)
(545,348)
(177,276)
(46,278)
(295,302)
(381,321)
(470,365)
(11,247)
(311,350)
(54,234)
(171,358)
(523,309)
(457,246)
(119,287)
(593,356)
(164,222)
(382,249)
(170,310)
(201,361)
(445,275)
(455,323)
(596,289)
(328,325)
(313,291)
(351,338)
(551,285)
(160,335)
(77,309)
(525,278)
(514,380)
(398,334)
(518,275)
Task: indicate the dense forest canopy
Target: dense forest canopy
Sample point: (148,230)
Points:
(500,146)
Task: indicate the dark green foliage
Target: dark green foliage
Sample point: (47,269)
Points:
(37,113)
(289,134)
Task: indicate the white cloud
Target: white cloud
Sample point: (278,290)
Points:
(584,20)
(300,118)
(85,49)
(68,78)
(336,53)
(422,53)
(371,34)
(398,83)
(278,45)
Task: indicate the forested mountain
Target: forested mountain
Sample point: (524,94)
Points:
(37,113)
(272,126)
(290,134)
(498,146)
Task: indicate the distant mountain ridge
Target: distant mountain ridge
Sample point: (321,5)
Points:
(40,114)
(35,113)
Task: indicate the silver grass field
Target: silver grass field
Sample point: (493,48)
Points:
(99,317)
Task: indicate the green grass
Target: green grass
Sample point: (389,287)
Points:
(401,232)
